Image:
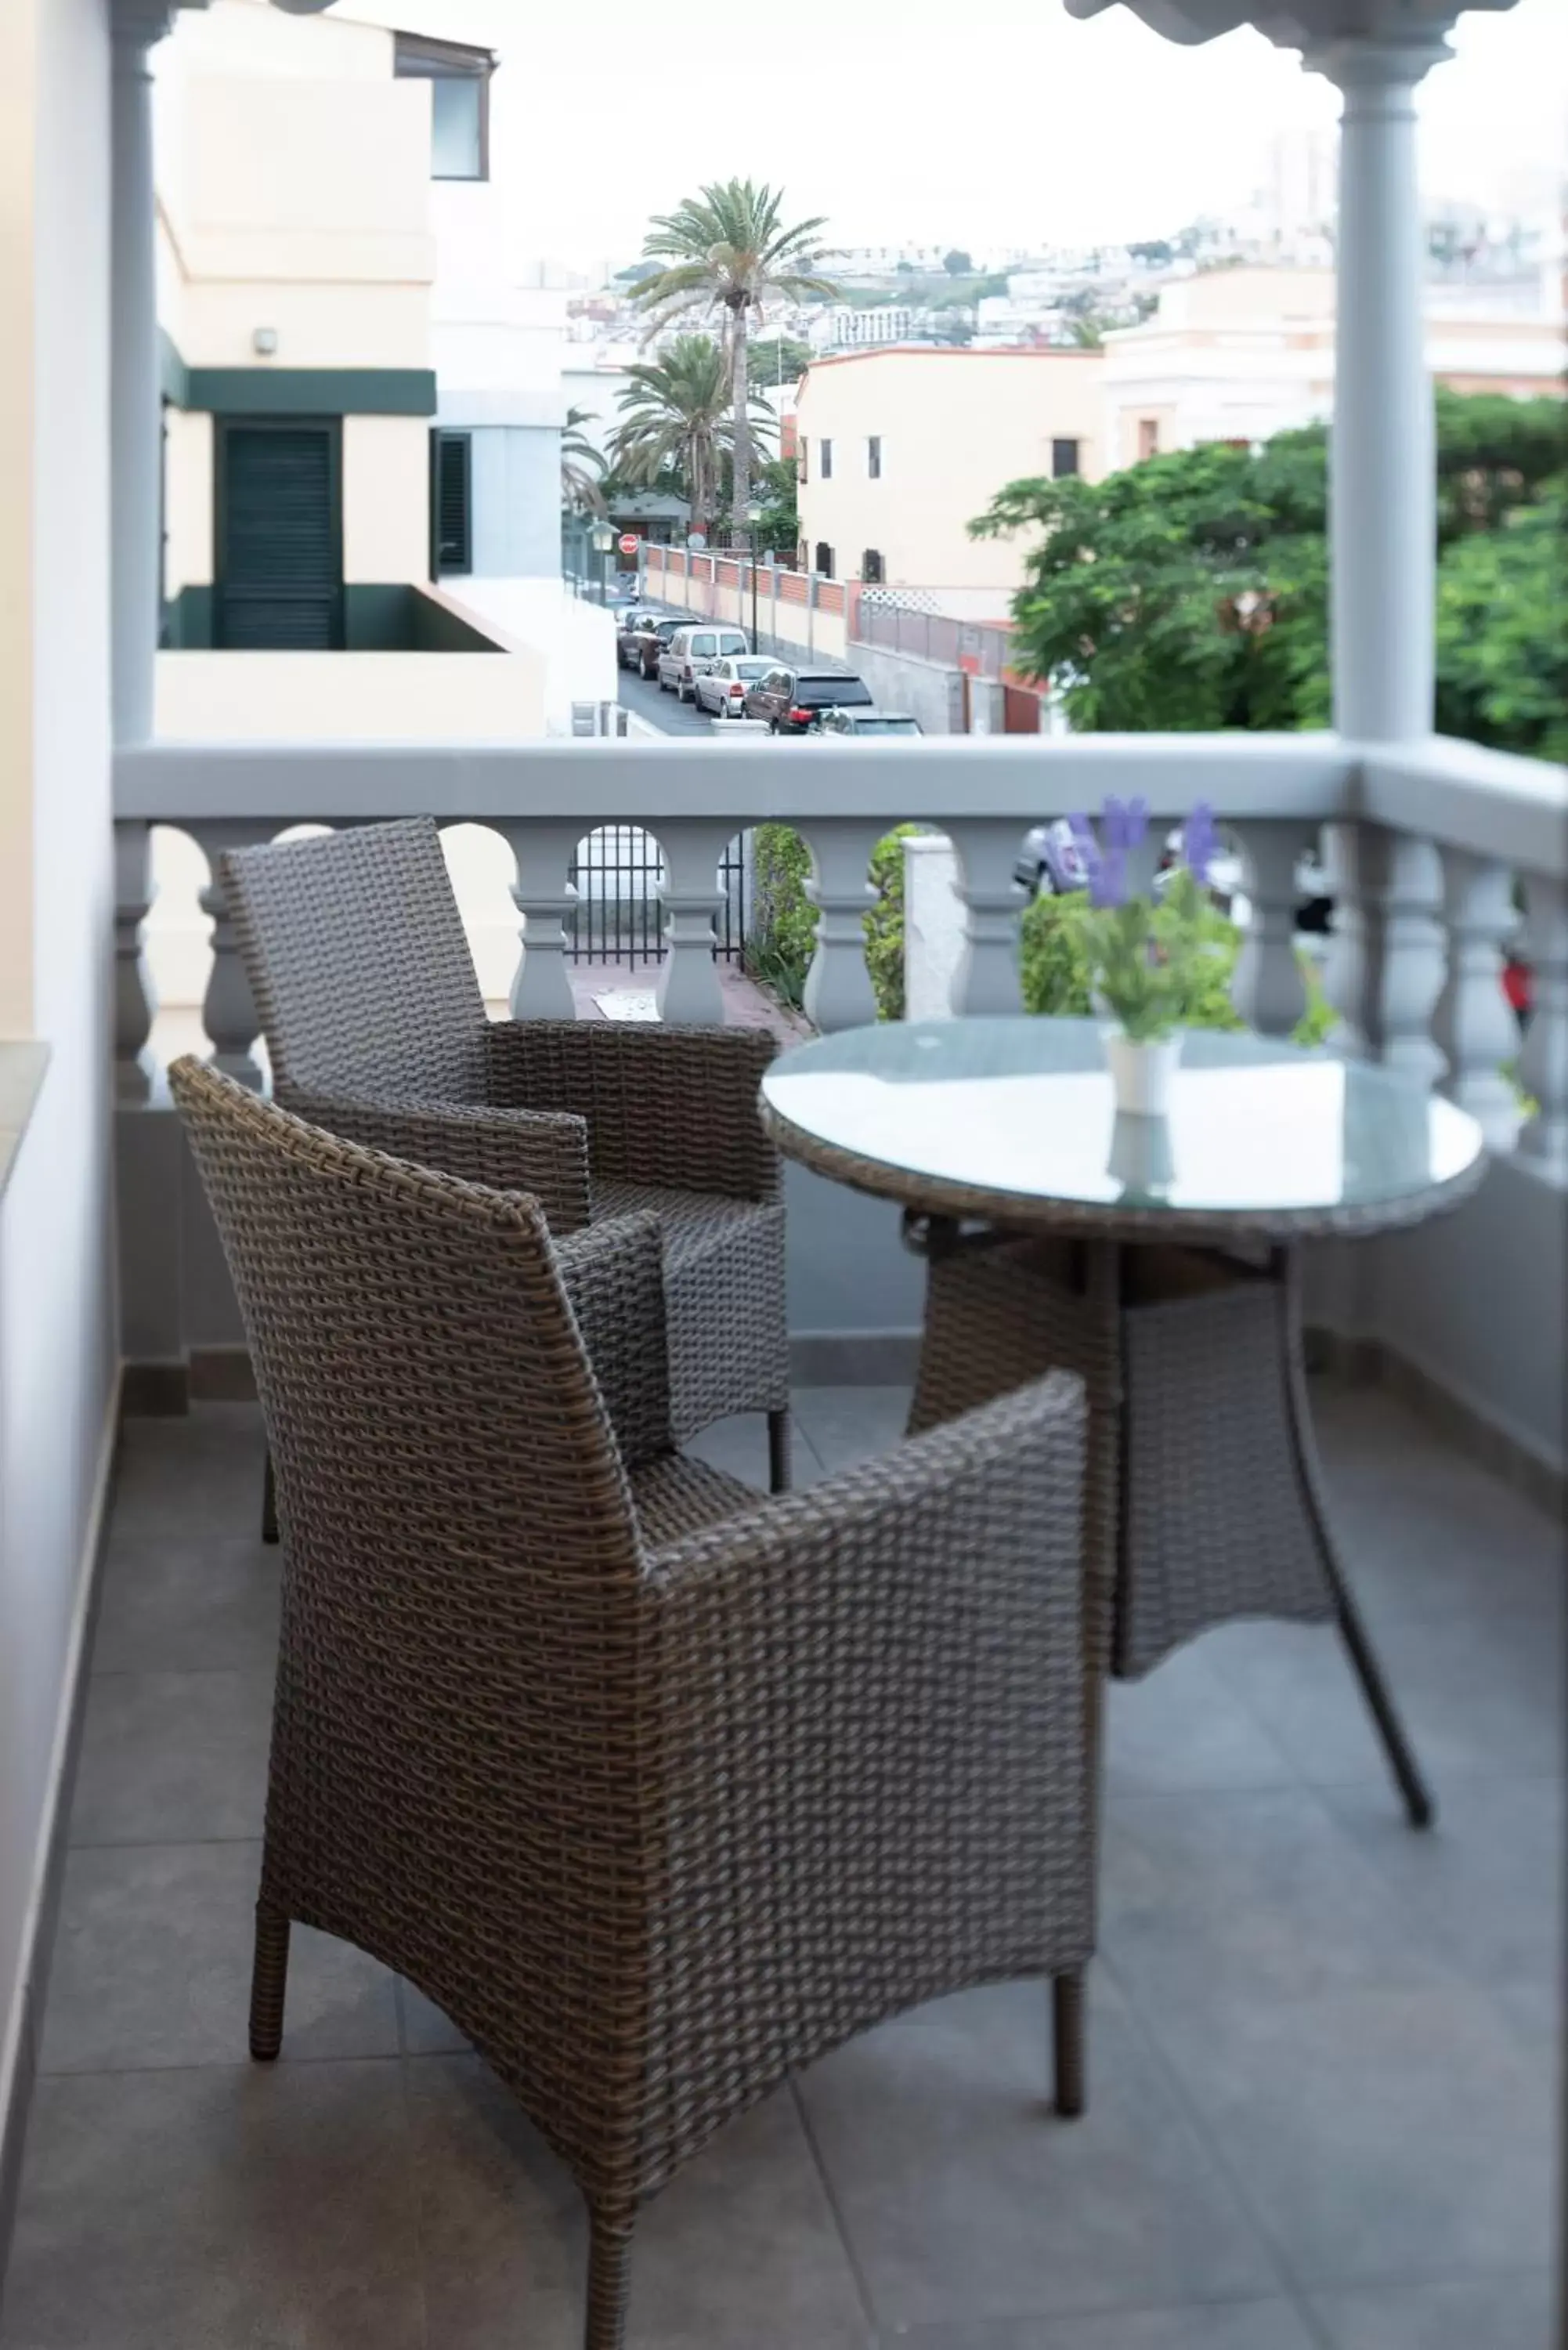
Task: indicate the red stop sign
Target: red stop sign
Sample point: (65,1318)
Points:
(629,542)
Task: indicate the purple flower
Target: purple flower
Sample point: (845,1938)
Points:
(1108,879)
(1199,842)
(1088,848)
(1126,822)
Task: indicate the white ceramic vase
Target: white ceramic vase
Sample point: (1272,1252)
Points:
(1142,1074)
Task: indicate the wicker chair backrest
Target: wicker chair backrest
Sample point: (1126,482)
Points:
(359,965)
(436,1426)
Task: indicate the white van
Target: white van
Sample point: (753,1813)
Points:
(693,650)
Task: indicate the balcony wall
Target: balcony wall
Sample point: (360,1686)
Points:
(1426,847)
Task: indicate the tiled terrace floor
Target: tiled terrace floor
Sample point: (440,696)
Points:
(1323,2076)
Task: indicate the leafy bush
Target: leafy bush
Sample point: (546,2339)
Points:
(1053,966)
(782,935)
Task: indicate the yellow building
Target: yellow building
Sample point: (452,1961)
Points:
(899,449)
(1239,354)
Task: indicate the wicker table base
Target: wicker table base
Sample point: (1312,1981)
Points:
(1205,1500)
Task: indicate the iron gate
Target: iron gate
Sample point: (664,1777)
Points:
(619,914)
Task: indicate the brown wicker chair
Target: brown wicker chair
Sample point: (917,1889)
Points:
(376,1028)
(660,1788)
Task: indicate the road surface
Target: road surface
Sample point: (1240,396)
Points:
(661,709)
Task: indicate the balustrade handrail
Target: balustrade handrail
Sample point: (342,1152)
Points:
(1428,844)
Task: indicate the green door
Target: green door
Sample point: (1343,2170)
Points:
(278,567)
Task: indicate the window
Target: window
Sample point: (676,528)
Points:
(873,457)
(872,570)
(824,563)
(451,501)
(804,468)
(1063,458)
(1147,436)
(460,103)
(824,459)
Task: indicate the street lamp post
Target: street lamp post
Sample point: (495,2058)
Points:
(753,518)
(603,539)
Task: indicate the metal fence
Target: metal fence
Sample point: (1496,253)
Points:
(619,914)
(979,646)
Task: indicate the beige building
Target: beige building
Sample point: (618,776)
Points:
(1239,354)
(899,449)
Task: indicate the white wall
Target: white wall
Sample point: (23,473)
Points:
(57,1303)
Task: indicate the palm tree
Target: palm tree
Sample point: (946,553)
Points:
(581,465)
(725,250)
(675,411)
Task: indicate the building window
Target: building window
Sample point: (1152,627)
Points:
(873,571)
(873,457)
(805,467)
(1063,458)
(824,563)
(452,501)
(460,102)
(1147,437)
(824,459)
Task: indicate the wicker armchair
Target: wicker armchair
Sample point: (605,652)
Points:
(366,995)
(660,1788)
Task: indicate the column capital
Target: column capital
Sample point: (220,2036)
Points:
(1366,65)
(1396,41)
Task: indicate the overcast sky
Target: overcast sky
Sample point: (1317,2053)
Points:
(975,123)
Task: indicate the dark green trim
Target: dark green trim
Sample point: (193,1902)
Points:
(311,391)
(379,616)
(187,620)
(173,375)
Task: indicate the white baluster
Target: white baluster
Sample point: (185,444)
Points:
(838,993)
(1269,993)
(1472,1022)
(1543,1059)
(1347,968)
(1407,950)
(988,979)
(135,1000)
(540,989)
(228,1012)
(693,896)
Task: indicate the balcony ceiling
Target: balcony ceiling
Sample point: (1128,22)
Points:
(1297,24)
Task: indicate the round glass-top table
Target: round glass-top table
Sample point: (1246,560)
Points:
(1160,1259)
(1015,1121)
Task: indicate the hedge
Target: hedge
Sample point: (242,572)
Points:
(1054,969)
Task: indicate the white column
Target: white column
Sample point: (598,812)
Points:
(1543,1059)
(134,419)
(541,986)
(1382,494)
(1472,1022)
(228,1009)
(988,979)
(693,896)
(1268,988)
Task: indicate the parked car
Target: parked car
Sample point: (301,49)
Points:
(721,690)
(1050,863)
(788,699)
(637,643)
(855,722)
(693,650)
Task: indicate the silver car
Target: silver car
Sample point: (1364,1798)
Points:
(691,651)
(721,690)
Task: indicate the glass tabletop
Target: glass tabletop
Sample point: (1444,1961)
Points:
(1008,1115)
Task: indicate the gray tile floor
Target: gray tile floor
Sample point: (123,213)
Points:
(1324,2066)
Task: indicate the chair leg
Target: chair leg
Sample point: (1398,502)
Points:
(269,1502)
(269,1980)
(778,1451)
(609,2279)
(1067,2045)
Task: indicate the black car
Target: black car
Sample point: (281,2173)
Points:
(788,699)
(639,644)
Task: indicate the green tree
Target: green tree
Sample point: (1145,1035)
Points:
(727,250)
(1191,591)
(675,414)
(957,263)
(779,526)
(582,466)
(779,359)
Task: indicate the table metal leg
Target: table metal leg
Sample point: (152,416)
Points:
(1419,1805)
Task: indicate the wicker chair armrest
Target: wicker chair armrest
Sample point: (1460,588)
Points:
(505,1150)
(613,1274)
(673,1106)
